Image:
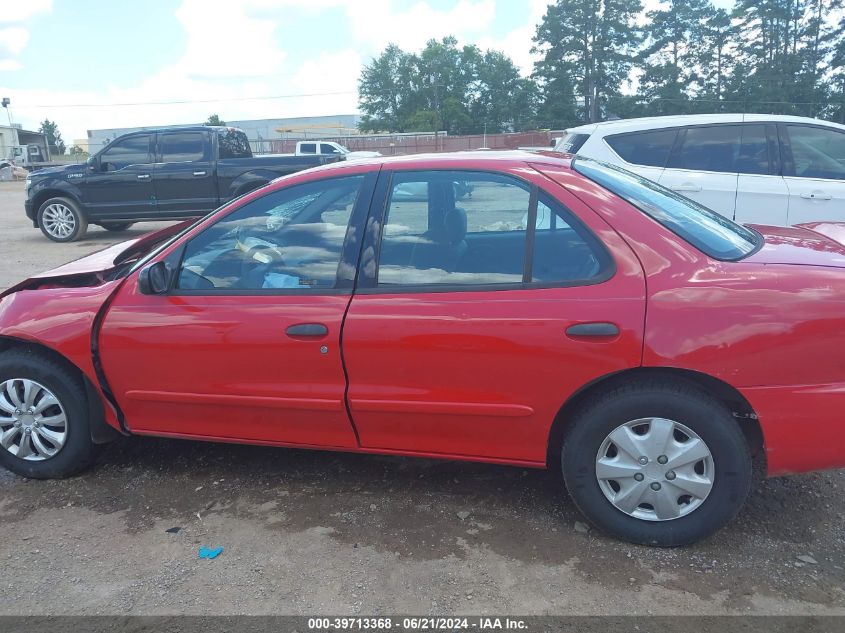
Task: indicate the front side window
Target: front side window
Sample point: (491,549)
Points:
(711,233)
(817,152)
(288,239)
(709,148)
(134,150)
(650,148)
(182,147)
(459,228)
(329,149)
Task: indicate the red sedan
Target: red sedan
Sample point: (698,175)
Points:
(514,308)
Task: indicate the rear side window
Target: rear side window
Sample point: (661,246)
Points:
(817,152)
(709,148)
(233,144)
(457,228)
(650,148)
(708,231)
(571,142)
(181,147)
(308,148)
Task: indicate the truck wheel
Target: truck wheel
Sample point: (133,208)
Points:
(44,429)
(61,220)
(657,462)
(117,226)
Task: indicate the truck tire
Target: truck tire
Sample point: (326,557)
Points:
(61,220)
(116,227)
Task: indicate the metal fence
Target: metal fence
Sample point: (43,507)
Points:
(395,144)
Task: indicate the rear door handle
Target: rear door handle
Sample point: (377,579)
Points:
(590,330)
(816,195)
(143,176)
(687,186)
(307,329)
(199,173)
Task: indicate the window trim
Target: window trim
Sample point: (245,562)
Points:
(367,284)
(785,145)
(348,248)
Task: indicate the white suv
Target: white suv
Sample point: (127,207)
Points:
(754,168)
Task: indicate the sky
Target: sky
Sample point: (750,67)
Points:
(93,64)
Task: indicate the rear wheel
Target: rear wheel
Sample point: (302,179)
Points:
(657,463)
(61,220)
(116,226)
(44,430)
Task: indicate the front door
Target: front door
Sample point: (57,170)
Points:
(475,327)
(184,178)
(121,184)
(247,343)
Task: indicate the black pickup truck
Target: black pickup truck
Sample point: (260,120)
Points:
(163,174)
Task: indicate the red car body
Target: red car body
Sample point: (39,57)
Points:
(476,375)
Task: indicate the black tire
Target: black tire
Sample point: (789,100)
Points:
(51,230)
(78,450)
(678,401)
(117,226)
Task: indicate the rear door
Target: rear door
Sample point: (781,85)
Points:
(702,166)
(468,331)
(814,172)
(121,185)
(183,175)
(762,196)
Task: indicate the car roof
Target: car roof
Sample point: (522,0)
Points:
(656,122)
(470,160)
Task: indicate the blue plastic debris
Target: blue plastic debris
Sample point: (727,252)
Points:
(210,552)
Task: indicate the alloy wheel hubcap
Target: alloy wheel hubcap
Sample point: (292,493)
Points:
(655,469)
(33,424)
(58,220)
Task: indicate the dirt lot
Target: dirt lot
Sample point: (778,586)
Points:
(307,532)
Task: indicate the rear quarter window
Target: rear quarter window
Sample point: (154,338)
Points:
(571,142)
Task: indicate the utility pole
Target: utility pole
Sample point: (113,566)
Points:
(437,121)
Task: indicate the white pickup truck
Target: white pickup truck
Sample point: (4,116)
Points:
(330,148)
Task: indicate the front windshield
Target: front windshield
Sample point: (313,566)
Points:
(711,233)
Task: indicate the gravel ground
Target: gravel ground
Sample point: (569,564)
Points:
(307,532)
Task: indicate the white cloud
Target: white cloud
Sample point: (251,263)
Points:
(228,43)
(22,10)
(9,65)
(518,42)
(13,40)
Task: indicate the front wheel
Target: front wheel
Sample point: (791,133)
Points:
(61,220)
(44,430)
(657,463)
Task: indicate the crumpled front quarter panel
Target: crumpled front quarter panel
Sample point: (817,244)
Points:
(60,318)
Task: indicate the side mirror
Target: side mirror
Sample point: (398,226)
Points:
(155,279)
(92,163)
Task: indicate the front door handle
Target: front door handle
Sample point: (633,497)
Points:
(199,173)
(143,176)
(816,195)
(687,186)
(591,330)
(307,329)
